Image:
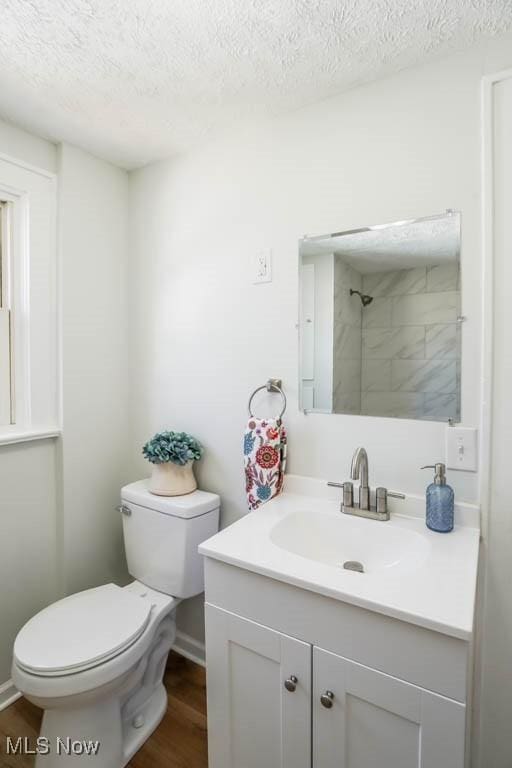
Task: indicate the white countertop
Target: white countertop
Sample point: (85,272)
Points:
(437,590)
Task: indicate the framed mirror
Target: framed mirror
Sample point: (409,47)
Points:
(380,320)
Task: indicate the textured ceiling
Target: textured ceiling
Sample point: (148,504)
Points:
(402,245)
(137,80)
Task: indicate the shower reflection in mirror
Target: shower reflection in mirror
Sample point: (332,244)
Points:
(380,320)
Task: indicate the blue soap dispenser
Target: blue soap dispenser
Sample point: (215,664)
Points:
(440,500)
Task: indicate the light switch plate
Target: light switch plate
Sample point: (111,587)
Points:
(262,266)
(461,448)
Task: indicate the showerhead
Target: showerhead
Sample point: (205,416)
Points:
(365,299)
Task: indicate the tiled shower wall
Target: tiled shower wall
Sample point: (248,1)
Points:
(410,343)
(347,339)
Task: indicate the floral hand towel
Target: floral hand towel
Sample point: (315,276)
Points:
(264,459)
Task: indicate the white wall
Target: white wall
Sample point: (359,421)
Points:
(28,538)
(93,209)
(15,142)
(203,336)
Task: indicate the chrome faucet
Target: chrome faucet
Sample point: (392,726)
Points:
(359,471)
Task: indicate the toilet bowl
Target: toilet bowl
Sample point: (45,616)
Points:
(94,661)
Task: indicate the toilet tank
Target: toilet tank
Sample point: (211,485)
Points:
(162,534)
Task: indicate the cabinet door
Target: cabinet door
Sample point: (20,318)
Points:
(254,721)
(377,721)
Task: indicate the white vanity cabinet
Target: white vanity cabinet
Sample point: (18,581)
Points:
(299,680)
(253,719)
(376,721)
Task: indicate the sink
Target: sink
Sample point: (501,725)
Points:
(338,540)
(396,567)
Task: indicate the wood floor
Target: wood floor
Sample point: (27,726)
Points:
(178,742)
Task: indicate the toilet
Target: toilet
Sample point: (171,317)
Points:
(94,661)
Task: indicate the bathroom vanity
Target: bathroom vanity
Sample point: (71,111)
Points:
(311,665)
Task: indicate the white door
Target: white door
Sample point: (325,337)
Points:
(366,719)
(259,695)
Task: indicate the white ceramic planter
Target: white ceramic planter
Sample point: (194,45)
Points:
(172,479)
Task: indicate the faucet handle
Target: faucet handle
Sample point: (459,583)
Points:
(396,494)
(348,492)
(381,499)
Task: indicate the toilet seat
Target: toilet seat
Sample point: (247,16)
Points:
(81,631)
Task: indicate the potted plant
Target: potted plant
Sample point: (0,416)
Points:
(172,455)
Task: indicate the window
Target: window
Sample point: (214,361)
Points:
(28,302)
(6,401)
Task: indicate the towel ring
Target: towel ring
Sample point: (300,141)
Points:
(272,385)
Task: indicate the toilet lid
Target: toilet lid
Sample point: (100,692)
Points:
(81,631)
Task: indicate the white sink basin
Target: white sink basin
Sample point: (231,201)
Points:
(335,540)
(409,572)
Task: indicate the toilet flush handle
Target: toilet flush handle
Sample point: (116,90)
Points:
(124,509)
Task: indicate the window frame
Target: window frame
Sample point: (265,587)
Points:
(8,405)
(29,217)
(16,293)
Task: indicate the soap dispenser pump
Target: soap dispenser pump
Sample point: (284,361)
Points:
(440,501)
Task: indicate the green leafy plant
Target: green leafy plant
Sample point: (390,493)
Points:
(177,447)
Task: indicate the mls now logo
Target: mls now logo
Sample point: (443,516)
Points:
(43,746)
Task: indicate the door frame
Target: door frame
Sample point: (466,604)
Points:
(487,148)
(487,173)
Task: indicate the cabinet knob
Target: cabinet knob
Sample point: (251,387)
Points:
(291,683)
(326,699)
